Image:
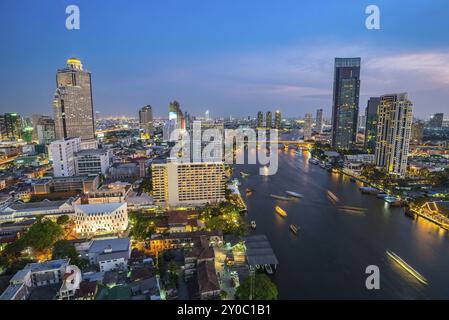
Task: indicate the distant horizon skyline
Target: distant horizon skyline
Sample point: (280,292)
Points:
(210,56)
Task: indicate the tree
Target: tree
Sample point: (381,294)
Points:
(264,288)
(42,235)
(62,220)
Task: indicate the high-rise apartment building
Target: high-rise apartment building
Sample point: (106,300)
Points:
(146,122)
(394,122)
(319,121)
(72,103)
(371,124)
(259,119)
(277,120)
(308,122)
(417,132)
(269,120)
(63,155)
(175,113)
(436,120)
(345,108)
(179,184)
(10,126)
(45,130)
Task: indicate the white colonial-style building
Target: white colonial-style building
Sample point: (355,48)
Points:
(102,218)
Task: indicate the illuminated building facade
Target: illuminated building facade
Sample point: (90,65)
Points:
(72,103)
(277,120)
(395,116)
(146,122)
(371,123)
(319,121)
(104,218)
(178,184)
(345,109)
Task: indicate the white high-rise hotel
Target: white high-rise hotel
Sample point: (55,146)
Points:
(394,122)
(72,103)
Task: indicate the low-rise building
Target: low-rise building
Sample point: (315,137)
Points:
(184,240)
(107,254)
(47,208)
(104,218)
(58,276)
(92,161)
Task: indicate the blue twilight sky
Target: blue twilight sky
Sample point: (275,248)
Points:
(233,57)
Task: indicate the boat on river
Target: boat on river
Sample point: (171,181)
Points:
(280,197)
(253,224)
(404,265)
(294,228)
(294,194)
(281,211)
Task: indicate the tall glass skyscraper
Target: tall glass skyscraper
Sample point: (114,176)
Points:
(146,122)
(371,124)
(345,107)
(72,103)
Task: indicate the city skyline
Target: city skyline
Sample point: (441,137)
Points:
(224,71)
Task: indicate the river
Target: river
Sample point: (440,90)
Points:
(328,257)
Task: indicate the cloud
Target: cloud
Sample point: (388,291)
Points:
(303,76)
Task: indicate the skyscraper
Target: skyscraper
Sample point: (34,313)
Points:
(269,120)
(308,121)
(277,120)
(146,122)
(45,128)
(175,113)
(10,126)
(345,108)
(436,121)
(72,103)
(394,122)
(371,124)
(319,121)
(259,119)
(417,132)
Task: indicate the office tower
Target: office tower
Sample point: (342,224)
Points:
(175,113)
(181,184)
(269,120)
(11,126)
(277,120)
(72,103)
(394,122)
(319,121)
(345,107)
(146,122)
(417,132)
(308,122)
(259,119)
(436,121)
(92,161)
(63,155)
(45,130)
(371,124)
